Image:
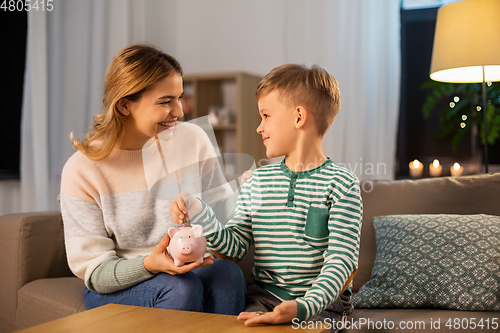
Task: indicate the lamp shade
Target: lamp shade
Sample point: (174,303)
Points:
(467,37)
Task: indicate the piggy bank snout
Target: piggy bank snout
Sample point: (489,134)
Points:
(188,244)
(186,248)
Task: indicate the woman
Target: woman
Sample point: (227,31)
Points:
(115,230)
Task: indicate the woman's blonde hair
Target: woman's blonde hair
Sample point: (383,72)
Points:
(134,70)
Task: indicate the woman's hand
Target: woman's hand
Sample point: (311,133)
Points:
(160,261)
(282,314)
(184,206)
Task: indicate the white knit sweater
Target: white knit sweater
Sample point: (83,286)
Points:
(112,218)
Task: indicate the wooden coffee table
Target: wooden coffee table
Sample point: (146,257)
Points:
(134,319)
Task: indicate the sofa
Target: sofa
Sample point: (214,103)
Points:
(37,286)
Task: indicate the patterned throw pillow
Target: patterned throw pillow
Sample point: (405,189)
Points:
(435,261)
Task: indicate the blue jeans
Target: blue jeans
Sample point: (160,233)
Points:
(217,288)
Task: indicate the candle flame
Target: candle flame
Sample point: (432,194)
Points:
(435,163)
(456,166)
(416,163)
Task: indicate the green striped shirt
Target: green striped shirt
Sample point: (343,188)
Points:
(306,229)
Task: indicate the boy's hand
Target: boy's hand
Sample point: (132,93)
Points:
(184,206)
(245,176)
(160,261)
(282,314)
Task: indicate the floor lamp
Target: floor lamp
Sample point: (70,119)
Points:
(467,47)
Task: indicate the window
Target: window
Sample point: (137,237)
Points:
(13,33)
(416,137)
(421,4)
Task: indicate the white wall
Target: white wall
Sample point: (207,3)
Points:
(222,35)
(355,40)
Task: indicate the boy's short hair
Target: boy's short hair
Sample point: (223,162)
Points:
(312,88)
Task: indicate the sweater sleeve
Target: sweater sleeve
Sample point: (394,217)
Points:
(341,257)
(235,238)
(117,273)
(90,250)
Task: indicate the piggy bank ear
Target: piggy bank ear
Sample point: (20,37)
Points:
(172,231)
(197,231)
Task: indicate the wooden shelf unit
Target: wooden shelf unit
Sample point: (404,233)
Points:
(205,92)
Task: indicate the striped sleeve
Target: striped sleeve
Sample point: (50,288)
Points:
(341,257)
(235,238)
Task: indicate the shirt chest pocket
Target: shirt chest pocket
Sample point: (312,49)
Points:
(317,222)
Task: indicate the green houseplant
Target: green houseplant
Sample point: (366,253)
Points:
(463,109)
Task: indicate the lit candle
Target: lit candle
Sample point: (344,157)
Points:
(456,170)
(435,169)
(416,169)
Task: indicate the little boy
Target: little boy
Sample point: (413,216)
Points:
(303,214)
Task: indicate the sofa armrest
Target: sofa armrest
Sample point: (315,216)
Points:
(31,248)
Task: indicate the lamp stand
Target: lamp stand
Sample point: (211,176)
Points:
(485,120)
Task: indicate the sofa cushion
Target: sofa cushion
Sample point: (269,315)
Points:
(44,300)
(32,247)
(435,261)
(475,194)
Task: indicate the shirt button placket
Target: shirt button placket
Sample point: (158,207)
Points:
(291,190)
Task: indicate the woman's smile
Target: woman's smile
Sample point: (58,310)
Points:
(167,124)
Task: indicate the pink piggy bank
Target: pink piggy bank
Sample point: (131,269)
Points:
(187,244)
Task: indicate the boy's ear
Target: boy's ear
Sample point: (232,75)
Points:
(300,116)
(122,106)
